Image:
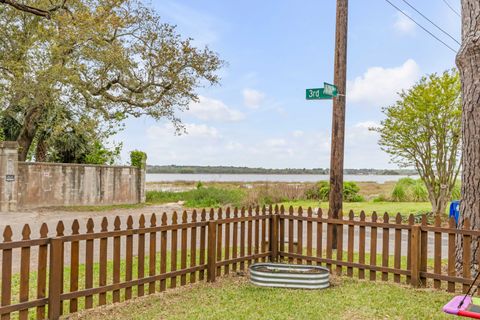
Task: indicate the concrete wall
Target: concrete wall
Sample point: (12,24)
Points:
(57,184)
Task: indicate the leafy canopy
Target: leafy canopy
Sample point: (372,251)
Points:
(422,129)
(97,59)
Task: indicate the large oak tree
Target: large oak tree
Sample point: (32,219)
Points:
(99,59)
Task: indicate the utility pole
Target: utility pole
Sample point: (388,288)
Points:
(338,119)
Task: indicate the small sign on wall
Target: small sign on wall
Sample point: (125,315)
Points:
(10,177)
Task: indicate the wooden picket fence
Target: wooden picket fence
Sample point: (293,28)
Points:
(48,276)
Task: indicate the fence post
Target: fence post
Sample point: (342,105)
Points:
(55,279)
(415,251)
(273,241)
(211,251)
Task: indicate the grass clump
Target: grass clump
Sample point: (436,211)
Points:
(409,190)
(199,198)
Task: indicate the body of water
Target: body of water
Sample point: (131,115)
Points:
(164,177)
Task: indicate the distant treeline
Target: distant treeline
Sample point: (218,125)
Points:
(245,170)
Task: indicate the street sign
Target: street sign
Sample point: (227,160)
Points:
(317,94)
(327,92)
(330,89)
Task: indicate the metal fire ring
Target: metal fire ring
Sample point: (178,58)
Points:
(289,276)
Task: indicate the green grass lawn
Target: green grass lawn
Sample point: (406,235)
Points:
(405,208)
(235,298)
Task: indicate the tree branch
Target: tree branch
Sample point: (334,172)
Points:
(33,10)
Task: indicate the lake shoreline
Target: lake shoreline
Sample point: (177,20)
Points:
(263,178)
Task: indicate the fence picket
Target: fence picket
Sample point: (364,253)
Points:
(74,263)
(300,235)
(141,256)
(129,258)
(257,232)
(24,272)
(183,253)
(60,233)
(351,234)
(249,235)
(203,235)
(361,246)
(42,271)
(319,234)
(467,253)
(451,255)
(437,262)
(411,221)
(193,247)
(219,241)
(89,265)
(329,239)
(152,254)
(290,234)
(173,251)
(339,242)
(263,236)
(242,239)
(423,252)
(102,281)
(309,235)
(397,259)
(373,247)
(385,246)
(235,238)
(163,252)
(116,259)
(227,240)
(282,227)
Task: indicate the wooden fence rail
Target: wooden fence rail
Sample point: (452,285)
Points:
(45,277)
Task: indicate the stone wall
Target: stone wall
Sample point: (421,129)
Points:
(32,184)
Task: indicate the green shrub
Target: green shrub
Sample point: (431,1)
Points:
(409,190)
(321,191)
(381,198)
(138,159)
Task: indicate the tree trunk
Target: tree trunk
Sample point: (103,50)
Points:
(41,151)
(27,134)
(468,62)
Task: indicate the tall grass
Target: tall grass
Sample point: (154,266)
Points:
(411,190)
(200,197)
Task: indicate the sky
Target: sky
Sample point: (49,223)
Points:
(258,115)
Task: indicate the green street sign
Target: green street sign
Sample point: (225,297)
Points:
(317,94)
(330,89)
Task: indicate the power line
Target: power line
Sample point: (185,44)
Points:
(452,8)
(445,32)
(418,24)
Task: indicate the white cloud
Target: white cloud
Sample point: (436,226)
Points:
(253,98)
(209,109)
(297,133)
(361,147)
(192,130)
(275,142)
(379,86)
(403,24)
(203,27)
(207,145)
(199,145)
